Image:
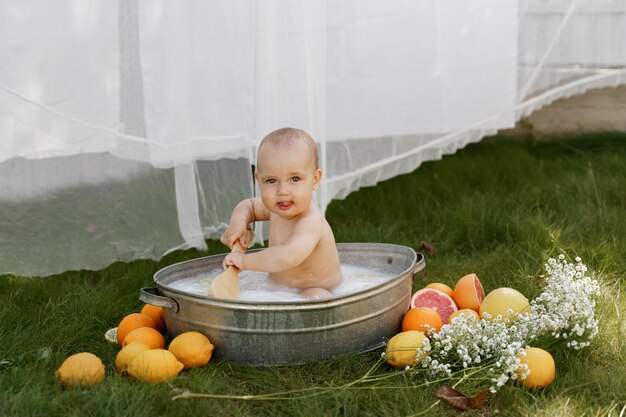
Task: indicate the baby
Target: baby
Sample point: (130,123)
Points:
(301,251)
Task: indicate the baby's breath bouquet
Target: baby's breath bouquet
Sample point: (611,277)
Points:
(565,309)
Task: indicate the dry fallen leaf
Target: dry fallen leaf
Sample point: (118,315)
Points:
(459,400)
(429,248)
(478,400)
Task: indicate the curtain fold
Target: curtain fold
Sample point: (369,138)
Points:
(128,129)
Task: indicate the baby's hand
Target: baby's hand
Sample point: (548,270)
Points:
(235,258)
(244,234)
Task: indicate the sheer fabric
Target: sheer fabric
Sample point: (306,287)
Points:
(128,129)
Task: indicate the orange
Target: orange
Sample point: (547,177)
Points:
(421,319)
(146,335)
(541,366)
(441,287)
(463,312)
(468,292)
(192,349)
(156,313)
(131,322)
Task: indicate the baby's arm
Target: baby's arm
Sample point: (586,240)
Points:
(306,235)
(244,213)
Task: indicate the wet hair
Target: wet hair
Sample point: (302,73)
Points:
(287,136)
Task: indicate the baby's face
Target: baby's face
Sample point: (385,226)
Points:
(287,178)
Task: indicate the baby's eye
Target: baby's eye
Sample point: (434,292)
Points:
(270,181)
(295,179)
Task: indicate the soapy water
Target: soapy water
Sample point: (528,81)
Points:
(256,286)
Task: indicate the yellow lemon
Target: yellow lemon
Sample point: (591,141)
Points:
(155,366)
(504,302)
(193,349)
(81,369)
(541,366)
(127,354)
(402,348)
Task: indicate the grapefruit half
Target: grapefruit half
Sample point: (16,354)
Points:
(469,292)
(429,297)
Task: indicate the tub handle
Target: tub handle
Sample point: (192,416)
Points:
(420,264)
(151,295)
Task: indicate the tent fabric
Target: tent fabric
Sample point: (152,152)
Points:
(128,129)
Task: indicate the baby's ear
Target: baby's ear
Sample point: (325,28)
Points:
(317,178)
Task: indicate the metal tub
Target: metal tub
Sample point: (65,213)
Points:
(286,333)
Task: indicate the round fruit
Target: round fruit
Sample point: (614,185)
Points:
(422,319)
(81,369)
(468,292)
(192,349)
(469,313)
(127,354)
(441,287)
(155,366)
(131,322)
(541,366)
(146,335)
(402,348)
(429,297)
(504,302)
(156,314)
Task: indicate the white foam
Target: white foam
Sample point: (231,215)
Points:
(255,286)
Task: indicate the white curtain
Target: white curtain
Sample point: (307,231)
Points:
(128,129)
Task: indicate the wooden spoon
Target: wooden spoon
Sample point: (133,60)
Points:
(226,284)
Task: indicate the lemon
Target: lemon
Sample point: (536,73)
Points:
(81,369)
(155,366)
(504,302)
(192,349)
(402,348)
(127,354)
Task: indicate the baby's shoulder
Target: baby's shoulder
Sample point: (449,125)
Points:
(312,219)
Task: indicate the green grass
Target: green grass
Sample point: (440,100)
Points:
(499,208)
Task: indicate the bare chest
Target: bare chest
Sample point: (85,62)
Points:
(280,230)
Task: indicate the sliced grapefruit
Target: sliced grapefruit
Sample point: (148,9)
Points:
(429,297)
(469,292)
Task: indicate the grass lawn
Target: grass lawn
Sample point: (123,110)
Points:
(499,208)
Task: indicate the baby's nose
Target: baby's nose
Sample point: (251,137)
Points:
(283,189)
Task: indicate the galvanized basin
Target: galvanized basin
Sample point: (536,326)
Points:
(285,333)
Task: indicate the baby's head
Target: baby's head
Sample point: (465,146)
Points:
(290,139)
(287,171)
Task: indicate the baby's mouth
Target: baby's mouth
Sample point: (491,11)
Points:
(285,205)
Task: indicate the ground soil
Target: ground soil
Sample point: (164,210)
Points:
(602,109)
